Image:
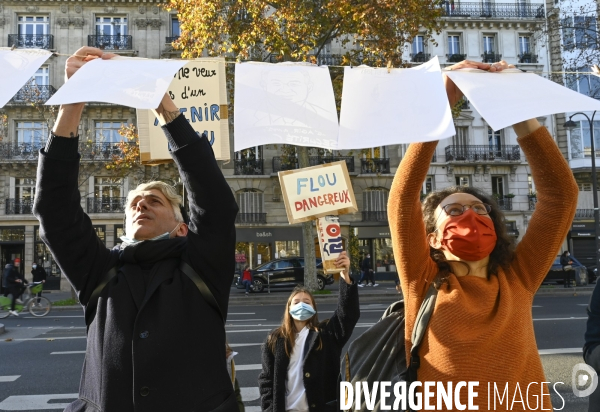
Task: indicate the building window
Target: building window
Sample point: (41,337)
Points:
(587,84)
(22,193)
(42,255)
(32,26)
(108,187)
(25,189)
(375,205)
(428,185)
(32,133)
(524,44)
(461,138)
(249,161)
(100,232)
(581,142)
(530,184)
(108,132)
(251,205)
(119,231)
(579,32)
(462,181)
(585,187)
(175,28)
(495,140)
(418,45)
(489,44)
(453,44)
(111,26)
(498,186)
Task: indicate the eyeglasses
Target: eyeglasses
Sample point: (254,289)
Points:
(456,209)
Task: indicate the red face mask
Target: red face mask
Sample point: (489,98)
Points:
(469,236)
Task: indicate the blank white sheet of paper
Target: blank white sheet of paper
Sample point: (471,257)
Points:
(133,82)
(403,106)
(284,103)
(17,67)
(511,96)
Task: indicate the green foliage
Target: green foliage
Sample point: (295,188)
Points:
(353,252)
(66,302)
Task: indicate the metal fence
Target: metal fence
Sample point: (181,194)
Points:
(379,166)
(106,205)
(378,216)
(18,206)
(248,167)
(479,153)
(113,42)
(34,93)
(31,41)
(494,10)
(250,218)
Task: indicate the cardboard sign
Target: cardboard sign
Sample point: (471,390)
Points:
(329,233)
(198,89)
(317,191)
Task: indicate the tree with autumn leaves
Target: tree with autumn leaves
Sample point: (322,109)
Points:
(372,32)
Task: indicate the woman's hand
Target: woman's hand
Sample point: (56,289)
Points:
(453,92)
(81,57)
(344,261)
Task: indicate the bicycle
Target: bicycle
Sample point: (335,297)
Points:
(37,306)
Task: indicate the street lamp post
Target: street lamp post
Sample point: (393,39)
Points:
(570,124)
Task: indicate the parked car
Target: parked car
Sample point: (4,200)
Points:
(287,272)
(557,275)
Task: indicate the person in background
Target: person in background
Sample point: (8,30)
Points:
(39,275)
(301,358)
(15,282)
(247,279)
(566,262)
(367,272)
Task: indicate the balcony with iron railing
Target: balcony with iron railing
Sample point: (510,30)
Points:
(375,216)
(106,204)
(33,94)
(376,165)
(504,202)
(532,202)
(31,41)
(455,58)
(584,214)
(281,163)
(169,40)
(18,206)
(113,42)
(420,57)
(88,151)
(528,58)
(491,57)
(326,59)
(251,167)
(251,218)
(483,153)
(487,9)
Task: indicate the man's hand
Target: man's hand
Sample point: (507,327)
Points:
(344,261)
(67,121)
(166,111)
(453,92)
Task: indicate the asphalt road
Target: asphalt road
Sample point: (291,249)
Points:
(41,358)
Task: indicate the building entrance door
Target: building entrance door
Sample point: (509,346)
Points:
(11,252)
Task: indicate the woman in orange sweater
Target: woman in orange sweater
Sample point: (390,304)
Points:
(482,328)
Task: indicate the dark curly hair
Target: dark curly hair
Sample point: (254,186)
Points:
(503,252)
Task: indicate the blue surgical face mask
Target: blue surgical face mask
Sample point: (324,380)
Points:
(166,235)
(302,311)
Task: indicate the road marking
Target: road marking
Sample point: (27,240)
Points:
(55,338)
(239,345)
(537,306)
(68,352)
(253,409)
(253,367)
(582,304)
(559,351)
(571,318)
(242,313)
(36,402)
(51,317)
(274,325)
(9,378)
(244,320)
(249,330)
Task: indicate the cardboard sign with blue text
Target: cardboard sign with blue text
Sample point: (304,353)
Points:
(317,191)
(198,89)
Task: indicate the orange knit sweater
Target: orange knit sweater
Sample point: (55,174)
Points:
(482,330)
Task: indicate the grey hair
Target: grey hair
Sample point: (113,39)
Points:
(168,191)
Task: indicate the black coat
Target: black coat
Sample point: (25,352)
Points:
(591,349)
(12,274)
(39,274)
(321,367)
(155,347)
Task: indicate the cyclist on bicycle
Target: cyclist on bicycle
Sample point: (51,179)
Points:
(14,281)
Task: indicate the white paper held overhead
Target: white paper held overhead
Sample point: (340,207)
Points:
(286,103)
(17,67)
(402,106)
(133,82)
(511,96)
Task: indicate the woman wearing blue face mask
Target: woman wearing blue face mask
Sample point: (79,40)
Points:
(301,358)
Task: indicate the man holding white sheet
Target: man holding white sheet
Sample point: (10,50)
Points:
(155,342)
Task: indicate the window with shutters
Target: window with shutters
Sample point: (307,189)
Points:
(251,205)
(375,205)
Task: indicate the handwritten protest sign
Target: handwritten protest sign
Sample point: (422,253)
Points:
(329,233)
(198,89)
(317,191)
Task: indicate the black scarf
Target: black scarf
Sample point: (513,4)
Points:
(149,252)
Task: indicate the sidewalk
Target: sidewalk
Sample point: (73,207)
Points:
(385,292)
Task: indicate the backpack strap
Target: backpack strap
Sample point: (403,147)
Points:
(202,287)
(421,323)
(90,308)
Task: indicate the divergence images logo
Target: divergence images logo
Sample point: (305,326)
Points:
(584,375)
